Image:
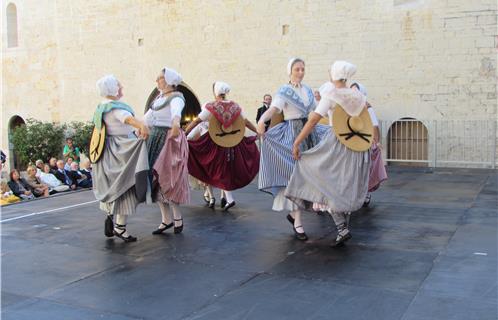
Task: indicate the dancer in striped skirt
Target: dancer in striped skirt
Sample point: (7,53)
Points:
(168,151)
(294,101)
(120,174)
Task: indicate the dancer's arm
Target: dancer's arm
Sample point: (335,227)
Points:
(192,125)
(308,127)
(143,130)
(251,126)
(266,117)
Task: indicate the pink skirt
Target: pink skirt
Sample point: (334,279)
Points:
(224,168)
(377,169)
(171,172)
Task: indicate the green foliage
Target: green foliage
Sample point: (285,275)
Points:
(38,140)
(81,132)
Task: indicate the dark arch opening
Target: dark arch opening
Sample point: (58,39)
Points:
(15,160)
(192,104)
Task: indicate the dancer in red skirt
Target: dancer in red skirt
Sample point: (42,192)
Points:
(224,158)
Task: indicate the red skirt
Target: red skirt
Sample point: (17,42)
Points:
(224,168)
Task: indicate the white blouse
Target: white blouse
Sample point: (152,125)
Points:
(115,122)
(290,111)
(164,117)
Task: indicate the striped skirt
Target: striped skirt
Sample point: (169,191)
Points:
(276,161)
(155,144)
(126,204)
(330,174)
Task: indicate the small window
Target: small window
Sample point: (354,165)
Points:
(11,26)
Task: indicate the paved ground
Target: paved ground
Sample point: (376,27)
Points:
(426,249)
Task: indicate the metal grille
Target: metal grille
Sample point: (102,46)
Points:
(440,143)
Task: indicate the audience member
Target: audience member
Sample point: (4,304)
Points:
(19,186)
(71,151)
(51,180)
(38,188)
(63,176)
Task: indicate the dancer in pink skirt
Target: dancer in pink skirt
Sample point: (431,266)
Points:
(168,151)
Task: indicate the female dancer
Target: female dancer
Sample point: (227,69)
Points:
(295,101)
(168,151)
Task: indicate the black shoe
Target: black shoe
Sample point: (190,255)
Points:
(180,228)
(162,229)
(366,203)
(212,202)
(206,198)
(290,219)
(109,227)
(129,238)
(228,206)
(341,239)
(300,235)
(223,203)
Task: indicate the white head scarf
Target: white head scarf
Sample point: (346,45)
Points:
(172,77)
(291,63)
(361,88)
(342,70)
(108,86)
(221,88)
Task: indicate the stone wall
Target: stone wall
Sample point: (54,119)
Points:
(425,59)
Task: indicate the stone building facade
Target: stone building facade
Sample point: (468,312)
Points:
(421,59)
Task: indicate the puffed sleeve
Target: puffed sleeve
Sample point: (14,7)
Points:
(177,105)
(278,103)
(375,121)
(324,106)
(204,115)
(121,115)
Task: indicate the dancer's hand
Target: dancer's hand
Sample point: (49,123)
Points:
(175,131)
(143,131)
(295,152)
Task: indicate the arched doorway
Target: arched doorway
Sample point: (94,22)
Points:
(14,159)
(407,143)
(192,104)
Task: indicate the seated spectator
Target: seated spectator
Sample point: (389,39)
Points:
(19,186)
(71,151)
(63,176)
(39,167)
(82,180)
(53,164)
(7,196)
(38,188)
(86,169)
(48,178)
(67,166)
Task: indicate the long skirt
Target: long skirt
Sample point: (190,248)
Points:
(155,144)
(224,168)
(330,174)
(378,172)
(277,163)
(122,169)
(170,170)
